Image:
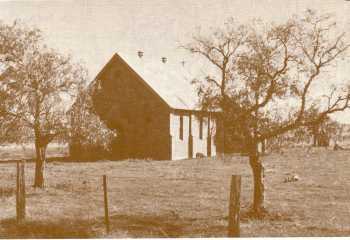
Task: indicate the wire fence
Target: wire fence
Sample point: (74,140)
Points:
(160,205)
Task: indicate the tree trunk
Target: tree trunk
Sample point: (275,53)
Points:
(315,140)
(39,165)
(259,187)
(263,147)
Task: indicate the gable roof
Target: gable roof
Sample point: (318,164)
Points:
(171,81)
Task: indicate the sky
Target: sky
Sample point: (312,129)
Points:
(92,31)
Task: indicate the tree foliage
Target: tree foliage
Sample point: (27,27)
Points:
(90,138)
(15,40)
(37,84)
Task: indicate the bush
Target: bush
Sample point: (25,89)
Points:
(90,138)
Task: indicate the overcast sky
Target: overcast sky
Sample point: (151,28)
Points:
(93,30)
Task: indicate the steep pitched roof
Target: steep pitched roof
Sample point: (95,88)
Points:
(170,80)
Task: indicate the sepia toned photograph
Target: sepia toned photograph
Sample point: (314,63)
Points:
(174,119)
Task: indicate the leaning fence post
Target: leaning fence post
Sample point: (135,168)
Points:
(20,192)
(106,202)
(234,207)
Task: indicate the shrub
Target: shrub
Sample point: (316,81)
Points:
(90,138)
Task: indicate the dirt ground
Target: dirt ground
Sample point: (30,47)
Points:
(187,198)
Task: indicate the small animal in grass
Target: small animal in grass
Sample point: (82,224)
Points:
(293,178)
(199,155)
(337,147)
(174,214)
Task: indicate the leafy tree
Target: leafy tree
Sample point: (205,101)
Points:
(323,131)
(15,40)
(90,138)
(37,85)
(267,77)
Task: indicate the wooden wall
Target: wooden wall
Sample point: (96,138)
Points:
(125,103)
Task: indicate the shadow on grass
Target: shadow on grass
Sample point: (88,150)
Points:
(120,226)
(6,192)
(147,226)
(267,216)
(327,232)
(39,229)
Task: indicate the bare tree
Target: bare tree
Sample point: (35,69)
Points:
(273,82)
(221,50)
(38,86)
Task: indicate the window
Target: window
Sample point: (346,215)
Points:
(201,128)
(181,128)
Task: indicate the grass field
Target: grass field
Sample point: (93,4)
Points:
(186,198)
(27,151)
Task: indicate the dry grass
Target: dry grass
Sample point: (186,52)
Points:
(27,151)
(182,198)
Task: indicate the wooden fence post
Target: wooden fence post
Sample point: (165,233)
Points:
(20,192)
(106,202)
(234,207)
